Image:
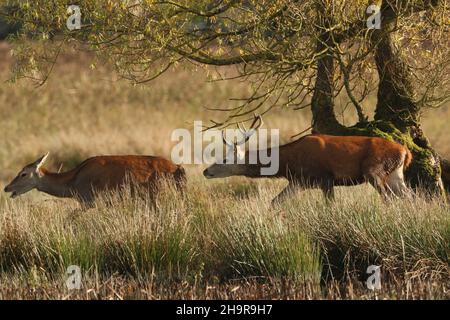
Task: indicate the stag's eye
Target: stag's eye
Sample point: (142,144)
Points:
(23,174)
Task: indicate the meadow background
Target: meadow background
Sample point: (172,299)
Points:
(220,239)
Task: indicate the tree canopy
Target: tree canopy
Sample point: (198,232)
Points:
(276,44)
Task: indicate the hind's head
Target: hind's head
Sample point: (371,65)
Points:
(27,179)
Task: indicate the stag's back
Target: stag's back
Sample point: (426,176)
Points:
(342,157)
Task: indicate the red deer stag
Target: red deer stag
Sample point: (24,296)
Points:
(96,175)
(326,161)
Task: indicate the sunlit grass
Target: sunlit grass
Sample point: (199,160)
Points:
(205,235)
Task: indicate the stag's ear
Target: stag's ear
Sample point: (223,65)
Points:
(40,162)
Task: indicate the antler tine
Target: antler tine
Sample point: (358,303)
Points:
(240,129)
(261,123)
(255,121)
(225,140)
(248,133)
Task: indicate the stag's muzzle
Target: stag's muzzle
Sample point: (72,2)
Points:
(207,174)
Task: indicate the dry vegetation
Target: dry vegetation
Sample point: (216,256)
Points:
(219,240)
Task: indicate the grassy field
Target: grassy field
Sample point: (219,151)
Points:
(220,239)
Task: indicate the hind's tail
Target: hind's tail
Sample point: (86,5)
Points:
(180,178)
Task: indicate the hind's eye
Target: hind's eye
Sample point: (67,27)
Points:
(23,175)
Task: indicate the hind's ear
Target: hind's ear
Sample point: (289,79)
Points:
(40,162)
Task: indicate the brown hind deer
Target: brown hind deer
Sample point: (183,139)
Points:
(326,161)
(96,175)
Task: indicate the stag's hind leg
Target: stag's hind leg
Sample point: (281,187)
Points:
(396,183)
(379,184)
(376,176)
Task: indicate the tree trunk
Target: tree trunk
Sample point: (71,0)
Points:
(322,104)
(396,105)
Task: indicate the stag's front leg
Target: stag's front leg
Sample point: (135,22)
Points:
(286,192)
(328,191)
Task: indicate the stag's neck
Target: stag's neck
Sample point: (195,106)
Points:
(252,170)
(56,184)
(256,170)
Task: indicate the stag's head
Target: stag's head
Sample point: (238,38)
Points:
(234,162)
(27,179)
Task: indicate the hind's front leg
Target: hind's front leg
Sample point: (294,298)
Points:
(86,200)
